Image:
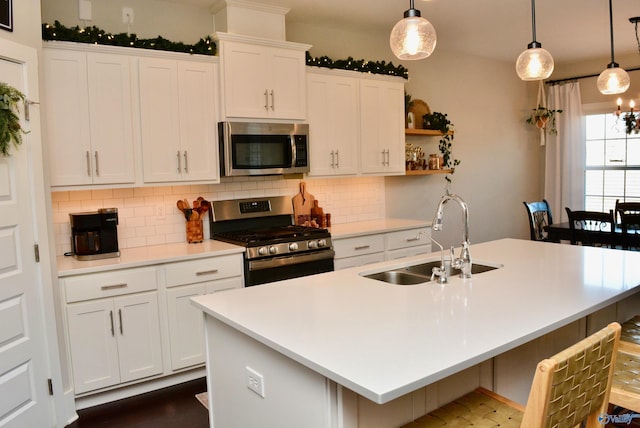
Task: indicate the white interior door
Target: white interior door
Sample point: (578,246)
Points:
(24,400)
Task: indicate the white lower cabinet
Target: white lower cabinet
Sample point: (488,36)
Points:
(113,328)
(372,248)
(185,280)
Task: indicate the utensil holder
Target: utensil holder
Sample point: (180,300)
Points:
(194,231)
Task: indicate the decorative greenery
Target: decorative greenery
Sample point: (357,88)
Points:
(373,67)
(440,122)
(631,122)
(544,118)
(10,129)
(206,46)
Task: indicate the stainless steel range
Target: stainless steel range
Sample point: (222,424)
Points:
(276,249)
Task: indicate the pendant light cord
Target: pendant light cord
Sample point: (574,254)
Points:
(611,30)
(533,19)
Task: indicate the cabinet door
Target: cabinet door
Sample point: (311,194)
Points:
(66,106)
(245,80)
(186,326)
(198,121)
(287,94)
(92,345)
(162,158)
(382,127)
(109,82)
(333,124)
(138,334)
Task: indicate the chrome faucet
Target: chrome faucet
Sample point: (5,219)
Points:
(440,272)
(463,262)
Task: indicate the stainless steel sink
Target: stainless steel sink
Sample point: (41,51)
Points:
(421,273)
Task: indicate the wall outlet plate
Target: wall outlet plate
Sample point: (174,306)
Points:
(255,381)
(84,10)
(127,15)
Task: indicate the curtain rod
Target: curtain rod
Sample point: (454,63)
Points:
(553,82)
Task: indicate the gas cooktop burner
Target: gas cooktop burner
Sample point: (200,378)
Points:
(272,235)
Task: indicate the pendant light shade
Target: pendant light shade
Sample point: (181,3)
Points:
(413,37)
(535,63)
(613,80)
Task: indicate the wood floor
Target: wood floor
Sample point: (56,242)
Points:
(177,406)
(171,407)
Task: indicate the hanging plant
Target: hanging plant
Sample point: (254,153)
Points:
(544,118)
(631,123)
(10,129)
(440,122)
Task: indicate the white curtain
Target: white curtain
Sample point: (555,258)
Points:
(565,152)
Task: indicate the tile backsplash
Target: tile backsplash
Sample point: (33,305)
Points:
(149,216)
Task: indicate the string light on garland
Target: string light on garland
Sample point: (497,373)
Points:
(373,67)
(97,36)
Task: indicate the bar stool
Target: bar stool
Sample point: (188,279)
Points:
(625,389)
(569,388)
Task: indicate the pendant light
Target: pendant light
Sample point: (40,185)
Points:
(535,63)
(412,37)
(613,80)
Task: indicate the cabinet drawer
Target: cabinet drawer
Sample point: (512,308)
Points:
(203,270)
(407,238)
(358,245)
(349,262)
(107,284)
(408,252)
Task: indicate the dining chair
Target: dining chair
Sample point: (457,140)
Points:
(592,228)
(570,388)
(628,219)
(539,214)
(625,387)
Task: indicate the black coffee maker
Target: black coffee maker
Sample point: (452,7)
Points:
(94,235)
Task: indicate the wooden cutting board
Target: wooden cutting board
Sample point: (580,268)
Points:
(302,201)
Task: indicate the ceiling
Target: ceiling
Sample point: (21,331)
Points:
(572,30)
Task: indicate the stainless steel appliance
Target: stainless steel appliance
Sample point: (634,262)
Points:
(94,234)
(248,148)
(276,249)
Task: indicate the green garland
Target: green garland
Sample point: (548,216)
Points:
(94,35)
(374,67)
(10,129)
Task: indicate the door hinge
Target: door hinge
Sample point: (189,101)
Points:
(36,250)
(50,383)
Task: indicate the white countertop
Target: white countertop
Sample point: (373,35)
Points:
(368,227)
(145,256)
(383,341)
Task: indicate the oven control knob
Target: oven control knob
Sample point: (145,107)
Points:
(322,242)
(263,251)
(273,250)
(313,244)
(293,246)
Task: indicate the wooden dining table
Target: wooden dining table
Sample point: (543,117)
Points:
(562,232)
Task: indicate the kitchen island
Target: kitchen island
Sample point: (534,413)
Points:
(334,349)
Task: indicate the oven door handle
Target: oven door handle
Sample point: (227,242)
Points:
(290,260)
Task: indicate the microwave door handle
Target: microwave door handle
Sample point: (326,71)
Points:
(294,153)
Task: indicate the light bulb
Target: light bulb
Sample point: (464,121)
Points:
(613,80)
(534,64)
(413,38)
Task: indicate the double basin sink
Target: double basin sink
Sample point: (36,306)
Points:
(421,273)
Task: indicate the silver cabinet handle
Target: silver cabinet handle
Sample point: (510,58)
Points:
(273,101)
(362,247)
(186,164)
(383,158)
(266,100)
(97,164)
(412,239)
(337,158)
(113,332)
(113,286)
(120,316)
(333,161)
(179,165)
(207,272)
(88,155)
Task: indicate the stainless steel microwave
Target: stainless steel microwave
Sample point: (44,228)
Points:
(249,148)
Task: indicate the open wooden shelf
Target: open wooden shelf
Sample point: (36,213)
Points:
(428,132)
(428,171)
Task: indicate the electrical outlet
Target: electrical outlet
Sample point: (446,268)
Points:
(159,211)
(84,10)
(127,15)
(255,381)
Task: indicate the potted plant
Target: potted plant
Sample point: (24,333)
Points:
(544,118)
(10,129)
(631,122)
(440,122)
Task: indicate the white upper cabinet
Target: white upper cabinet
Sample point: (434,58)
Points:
(178,120)
(88,113)
(332,110)
(262,79)
(382,126)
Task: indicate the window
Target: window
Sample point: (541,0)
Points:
(612,169)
